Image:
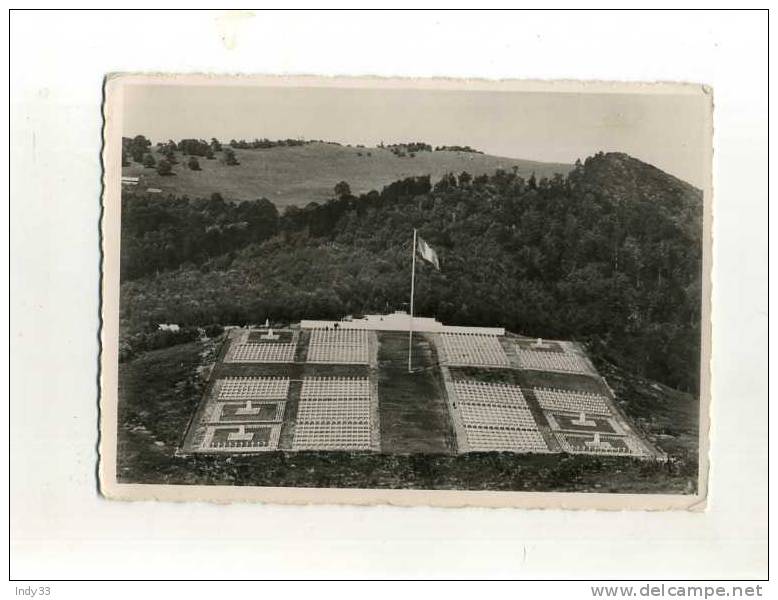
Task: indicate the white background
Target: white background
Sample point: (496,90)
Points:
(60,528)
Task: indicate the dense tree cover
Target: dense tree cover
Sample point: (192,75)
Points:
(165,147)
(194,147)
(266,143)
(168,151)
(609,255)
(159,233)
(408,148)
(457,149)
(136,147)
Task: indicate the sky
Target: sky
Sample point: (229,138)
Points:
(666,130)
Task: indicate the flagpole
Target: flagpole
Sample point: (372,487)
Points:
(413,280)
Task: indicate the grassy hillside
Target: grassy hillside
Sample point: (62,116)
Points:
(302,174)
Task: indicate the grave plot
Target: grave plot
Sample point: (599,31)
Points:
(582,422)
(597,443)
(241,438)
(341,346)
(249,412)
(333,414)
(505,440)
(260,353)
(333,409)
(331,436)
(549,360)
(252,388)
(572,401)
(496,417)
(335,387)
(480,392)
(269,336)
(245,399)
(465,349)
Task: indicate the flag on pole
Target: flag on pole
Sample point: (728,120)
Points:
(427,253)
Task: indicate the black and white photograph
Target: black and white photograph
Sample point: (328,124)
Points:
(411,286)
(397,295)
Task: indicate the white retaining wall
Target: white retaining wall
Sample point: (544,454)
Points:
(399,322)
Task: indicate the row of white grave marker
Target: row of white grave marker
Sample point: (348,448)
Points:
(333,414)
(253,388)
(543,360)
(465,349)
(598,443)
(242,438)
(340,346)
(337,346)
(587,408)
(335,387)
(492,393)
(505,440)
(350,346)
(496,417)
(472,349)
(251,411)
(571,401)
(261,353)
(247,414)
(330,410)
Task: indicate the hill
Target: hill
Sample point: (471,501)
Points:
(609,255)
(298,175)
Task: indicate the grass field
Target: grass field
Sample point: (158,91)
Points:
(158,392)
(302,174)
(414,416)
(669,418)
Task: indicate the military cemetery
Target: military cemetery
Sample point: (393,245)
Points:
(337,412)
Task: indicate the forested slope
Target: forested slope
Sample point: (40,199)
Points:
(609,255)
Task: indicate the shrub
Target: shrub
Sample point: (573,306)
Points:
(164,167)
(214,330)
(342,189)
(229,157)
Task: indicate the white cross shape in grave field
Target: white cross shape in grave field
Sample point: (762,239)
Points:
(581,421)
(597,443)
(247,410)
(240,435)
(270,335)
